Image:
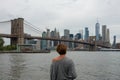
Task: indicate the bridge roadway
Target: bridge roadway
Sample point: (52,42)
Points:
(7,35)
(52,39)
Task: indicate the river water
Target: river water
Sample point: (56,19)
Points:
(89,65)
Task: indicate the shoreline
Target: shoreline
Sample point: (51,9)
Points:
(1,52)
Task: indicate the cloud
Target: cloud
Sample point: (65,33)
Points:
(71,14)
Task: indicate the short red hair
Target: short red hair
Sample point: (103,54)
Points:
(61,49)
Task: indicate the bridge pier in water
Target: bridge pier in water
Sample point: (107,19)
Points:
(18,30)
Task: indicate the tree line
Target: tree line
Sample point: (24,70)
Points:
(6,47)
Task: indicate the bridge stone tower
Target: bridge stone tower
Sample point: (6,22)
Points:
(18,30)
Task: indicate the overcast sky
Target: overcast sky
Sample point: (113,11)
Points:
(65,14)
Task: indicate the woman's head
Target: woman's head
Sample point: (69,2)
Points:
(61,49)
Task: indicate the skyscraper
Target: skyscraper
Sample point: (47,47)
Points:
(97,31)
(54,34)
(66,33)
(86,34)
(108,36)
(104,33)
(52,42)
(114,42)
(78,36)
(48,36)
(66,36)
(44,42)
(71,45)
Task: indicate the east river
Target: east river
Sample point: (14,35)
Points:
(36,66)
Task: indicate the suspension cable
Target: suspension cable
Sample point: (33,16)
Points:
(4,21)
(32,25)
(32,28)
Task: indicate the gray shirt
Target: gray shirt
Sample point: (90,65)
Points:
(63,70)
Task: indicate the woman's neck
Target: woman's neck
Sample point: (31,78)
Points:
(62,55)
(59,58)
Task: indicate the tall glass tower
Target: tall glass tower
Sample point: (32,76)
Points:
(66,35)
(97,31)
(114,42)
(86,34)
(44,42)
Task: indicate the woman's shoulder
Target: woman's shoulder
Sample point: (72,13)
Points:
(67,58)
(59,58)
(63,59)
(54,59)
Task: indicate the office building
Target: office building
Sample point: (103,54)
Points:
(108,36)
(71,44)
(66,33)
(44,42)
(71,36)
(114,42)
(104,33)
(86,34)
(97,31)
(48,36)
(54,34)
(66,36)
(78,36)
(38,47)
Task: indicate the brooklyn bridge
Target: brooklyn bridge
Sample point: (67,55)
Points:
(17,35)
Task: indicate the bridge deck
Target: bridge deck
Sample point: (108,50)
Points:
(52,39)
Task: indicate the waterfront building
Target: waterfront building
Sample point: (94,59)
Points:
(37,45)
(34,42)
(104,33)
(86,34)
(118,45)
(44,42)
(97,31)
